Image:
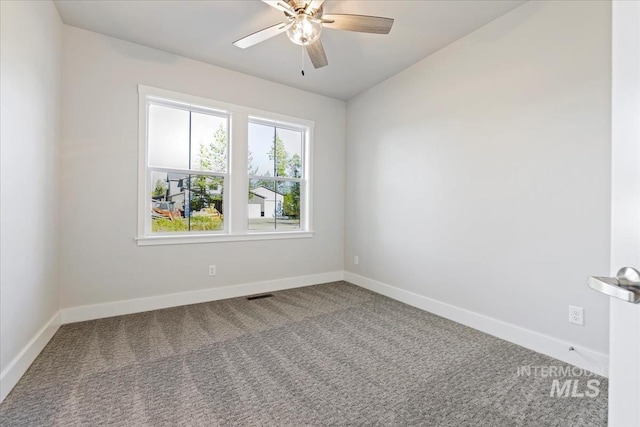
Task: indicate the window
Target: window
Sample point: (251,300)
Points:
(210,171)
(187,162)
(275,176)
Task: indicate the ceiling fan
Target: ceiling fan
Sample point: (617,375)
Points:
(304,22)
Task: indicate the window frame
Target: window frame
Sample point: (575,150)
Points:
(303,183)
(236,177)
(190,172)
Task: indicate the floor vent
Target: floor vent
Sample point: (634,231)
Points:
(259,297)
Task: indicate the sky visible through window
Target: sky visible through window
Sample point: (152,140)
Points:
(261,142)
(169,136)
(170,139)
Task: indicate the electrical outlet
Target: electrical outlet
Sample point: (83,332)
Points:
(576,315)
(356,260)
(212,270)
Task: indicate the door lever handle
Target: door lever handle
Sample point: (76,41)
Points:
(625,286)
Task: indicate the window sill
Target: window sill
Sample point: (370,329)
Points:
(217,238)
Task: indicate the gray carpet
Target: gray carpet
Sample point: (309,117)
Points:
(332,354)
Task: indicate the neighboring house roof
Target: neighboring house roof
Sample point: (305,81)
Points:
(265,193)
(178,180)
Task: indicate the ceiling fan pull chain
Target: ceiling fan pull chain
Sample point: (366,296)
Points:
(302,62)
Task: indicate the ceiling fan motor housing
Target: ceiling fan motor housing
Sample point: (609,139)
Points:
(300,5)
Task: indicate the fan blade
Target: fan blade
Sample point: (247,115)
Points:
(359,23)
(313,5)
(282,6)
(317,55)
(262,35)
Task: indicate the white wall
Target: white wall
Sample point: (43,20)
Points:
(99,260)
(480,176)
(30,77)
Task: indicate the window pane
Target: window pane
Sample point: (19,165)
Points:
(205,203)
(288,218)
(183,202)
(209,142)
(263,201)
(274,205)
(275,151)
(167,202)
(289,153)
(168,137)
(260,145)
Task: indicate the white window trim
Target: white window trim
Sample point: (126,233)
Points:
(235,184)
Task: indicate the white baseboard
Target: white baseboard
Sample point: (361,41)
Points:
(19,365)
(582,357)
(117,308)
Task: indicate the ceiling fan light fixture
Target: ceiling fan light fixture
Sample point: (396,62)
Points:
(305,30)
(304,22)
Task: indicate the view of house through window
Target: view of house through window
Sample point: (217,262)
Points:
(187,155)
(275,160)
(211,171)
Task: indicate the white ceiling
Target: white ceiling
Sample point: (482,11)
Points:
(205,30)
